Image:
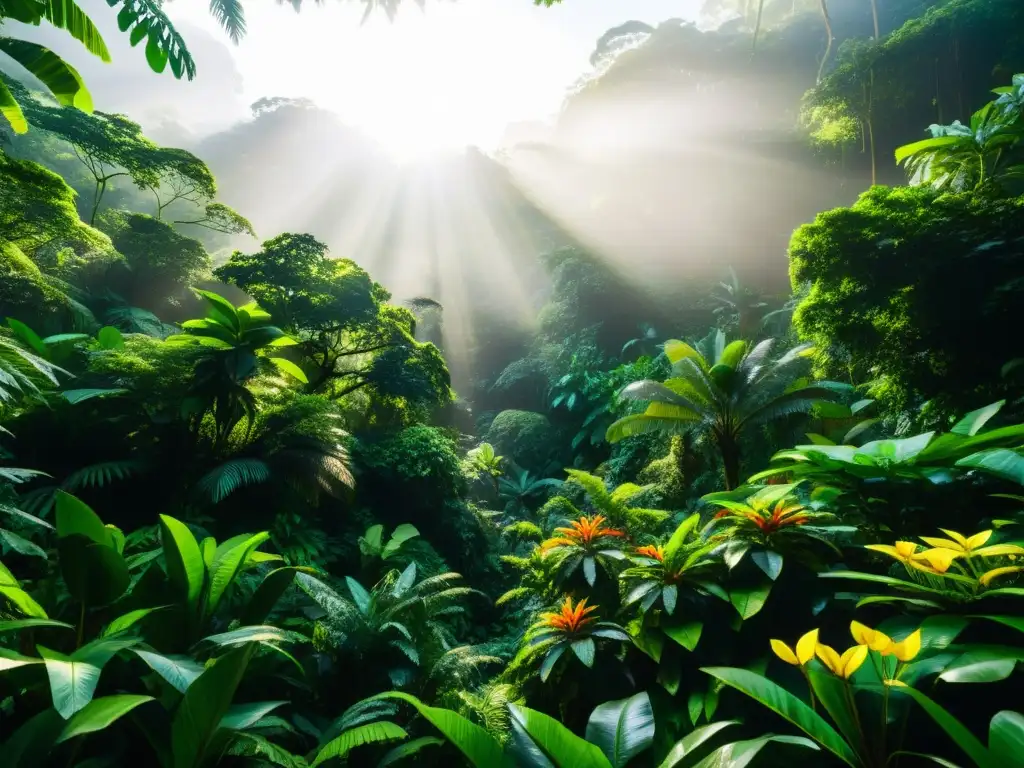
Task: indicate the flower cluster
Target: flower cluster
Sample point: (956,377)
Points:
(585,532)
(955,557)
(569,620)
(845,664)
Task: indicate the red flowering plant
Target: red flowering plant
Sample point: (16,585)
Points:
(569,626)
(771,524)
(584,542)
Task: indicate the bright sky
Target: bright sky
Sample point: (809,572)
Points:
(453,75)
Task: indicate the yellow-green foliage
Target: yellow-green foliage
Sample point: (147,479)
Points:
(523,436)
(615,506)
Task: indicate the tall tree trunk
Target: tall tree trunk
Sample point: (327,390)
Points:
(828,33)
(871,129)
(874,16)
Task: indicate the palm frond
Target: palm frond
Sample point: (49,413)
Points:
(230,15)
(223,480)
(642,424)
(101,474)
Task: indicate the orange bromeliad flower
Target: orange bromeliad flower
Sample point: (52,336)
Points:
(583,533)
(568,619)
(656,553)
(781,516)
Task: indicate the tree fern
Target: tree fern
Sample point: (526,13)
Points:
(222,481)
(371,733)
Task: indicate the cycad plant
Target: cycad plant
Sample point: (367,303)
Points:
(520,488)
(723,390)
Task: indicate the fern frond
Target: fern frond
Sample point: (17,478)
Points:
(222,481)
(248,744)
(518,593)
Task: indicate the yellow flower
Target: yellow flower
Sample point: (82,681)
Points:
(872,638)
(935,560)
(902,551)
(995,573)
(843,666)
(973,546)
(804,649)
(907,648)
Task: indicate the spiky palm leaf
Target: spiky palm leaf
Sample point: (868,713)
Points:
(101,474)
(720,389)
(223,480)
(230,15)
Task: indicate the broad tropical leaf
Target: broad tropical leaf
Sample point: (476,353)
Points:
(622,729)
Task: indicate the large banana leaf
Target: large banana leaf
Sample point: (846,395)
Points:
(179,671)
(540,740)
(11,111)
(788,706)
(65,14)
(480,748)
(740,754)
(73,678)
(1006,738)
(227,566)
(622,729)
(57,75)
(692,741)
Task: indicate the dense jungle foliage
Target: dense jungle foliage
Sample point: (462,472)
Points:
(245,519)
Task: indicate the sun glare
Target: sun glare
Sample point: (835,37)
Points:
(428,82)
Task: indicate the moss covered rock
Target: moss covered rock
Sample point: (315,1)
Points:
(525,437)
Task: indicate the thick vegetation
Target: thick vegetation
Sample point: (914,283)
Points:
(239,524)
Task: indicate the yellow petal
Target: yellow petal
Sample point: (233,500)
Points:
(907,648)
(995,573)
(933,541)
(959,538)
(861,634)
(978,540)
(940,559)
(805,646)
(905,549)
(880,642)
(851,659)
(885,549)
(829,657)
(999,549)
(784,652)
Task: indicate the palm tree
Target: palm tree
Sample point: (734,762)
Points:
(722,390)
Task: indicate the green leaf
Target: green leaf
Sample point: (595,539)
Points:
(100,713)
(360,596)
(686,634)
(179,671)
(768,561)
(65,14)
(205,703)
(589,570)
(537,733)
(274,585)
(550,660)
(257,634)
(18,624)
(788,706)
(584,649)
(221,310)
(30,337)
(74,516)
(479,747)
(30,744)
(76,396)
(369,733)
(242,716)
(622,729)
(286,366)
(72,682)
(11,660)
(1000,462)
(185,567)
(953,727)
(23,601)
(128,620)
(692,741)
(408,749)
(748,601)
(1014,622)
(62,80)
(11,111)
(110,338)
(740,753)
(227,565)
(156,56)
(972,423)
(20,544)
(1006,738)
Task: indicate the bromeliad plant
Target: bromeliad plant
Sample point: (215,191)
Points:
(570,626)
(770,525)
(585,542)
(951,571)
